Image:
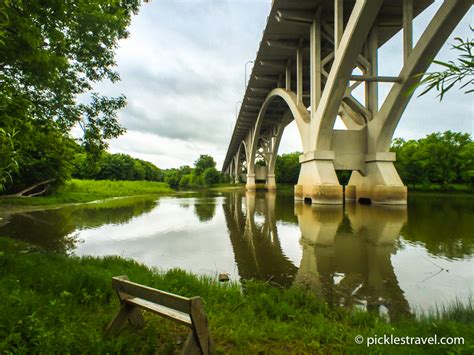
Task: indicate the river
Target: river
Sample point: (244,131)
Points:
(392,259)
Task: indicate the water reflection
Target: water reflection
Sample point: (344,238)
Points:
(346,252)
(205,209)
(256,245)
(444,224)
(347,255)
(53,228)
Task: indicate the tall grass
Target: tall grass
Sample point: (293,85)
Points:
(76,191)
(52,303)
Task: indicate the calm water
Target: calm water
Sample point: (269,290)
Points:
(395,259)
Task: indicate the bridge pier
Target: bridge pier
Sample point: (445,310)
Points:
(318,180)
(250,185)
(270,185)
(381,184)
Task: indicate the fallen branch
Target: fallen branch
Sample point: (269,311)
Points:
(28,189)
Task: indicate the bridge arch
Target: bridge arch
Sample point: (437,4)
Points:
(294,111)
(237,162)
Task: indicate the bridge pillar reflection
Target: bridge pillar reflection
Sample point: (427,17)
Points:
(351,264)
(254,236)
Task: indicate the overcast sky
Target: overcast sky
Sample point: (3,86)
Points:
(182,71)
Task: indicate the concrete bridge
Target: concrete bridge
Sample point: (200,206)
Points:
(313,55)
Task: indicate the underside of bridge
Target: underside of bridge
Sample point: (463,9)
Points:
(313,55)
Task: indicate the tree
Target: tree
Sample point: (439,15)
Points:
(211,176)
(440,158)
(287,168)
(466,166)
(172,178)
(116,167)
(408,162)
(203,162)
(9,154)
(152,172)
(454,73)
(184,181)
(51,53)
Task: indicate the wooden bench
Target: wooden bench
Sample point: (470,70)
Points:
(186,311)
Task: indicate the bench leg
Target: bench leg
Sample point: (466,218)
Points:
(135,318)
(201,332)
(126,312)
(118,320)
(191,345)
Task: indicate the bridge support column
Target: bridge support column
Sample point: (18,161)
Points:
(236,172)
(250,185)
(381,182)
(318,180)
(271,182)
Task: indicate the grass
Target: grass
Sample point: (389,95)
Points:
(79,191)
(227,187)
(52,303)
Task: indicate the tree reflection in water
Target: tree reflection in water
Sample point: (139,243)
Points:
(53,229)
(205,209)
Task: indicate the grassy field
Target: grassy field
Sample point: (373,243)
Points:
(227,187)
(77,191)
(52,303)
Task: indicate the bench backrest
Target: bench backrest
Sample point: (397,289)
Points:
(122,285)
(187,311)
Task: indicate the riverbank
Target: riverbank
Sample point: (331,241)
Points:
(436,188)
(83,191)
(80,191)
(58,303)
(227,187)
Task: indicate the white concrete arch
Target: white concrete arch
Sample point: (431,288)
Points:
(244,146)
(297,111)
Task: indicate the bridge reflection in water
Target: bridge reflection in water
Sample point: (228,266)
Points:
(346,252)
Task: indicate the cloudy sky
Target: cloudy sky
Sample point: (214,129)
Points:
(182,71)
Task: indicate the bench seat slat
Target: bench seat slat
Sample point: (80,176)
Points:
(163,298)
(169,313)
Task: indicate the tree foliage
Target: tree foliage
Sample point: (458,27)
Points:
(439,158)
(287,168)
(116,167)
(454,72)
(203,162)
(172,178)
(203,174)
(211,176)
(52,52)
(8,154)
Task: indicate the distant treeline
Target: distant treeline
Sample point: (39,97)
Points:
(203,174)
(124,167)
(439,158)
(115,167)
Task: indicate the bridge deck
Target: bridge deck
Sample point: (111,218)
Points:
(278,45)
